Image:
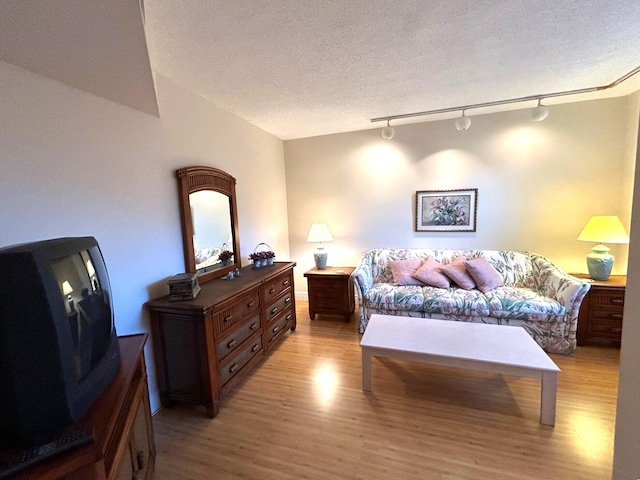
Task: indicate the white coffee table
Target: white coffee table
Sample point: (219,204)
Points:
(491,348)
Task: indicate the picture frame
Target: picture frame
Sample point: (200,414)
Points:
(446,210)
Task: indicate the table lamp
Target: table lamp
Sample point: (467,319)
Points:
(600,229)
(318,233)
(68,290)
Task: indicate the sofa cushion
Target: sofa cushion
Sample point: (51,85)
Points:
(430,274)
(457,272)
(386,296)
(484,274)
(455,301)
(522,303)
(403,270)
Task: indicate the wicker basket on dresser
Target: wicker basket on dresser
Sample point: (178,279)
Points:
(204,346)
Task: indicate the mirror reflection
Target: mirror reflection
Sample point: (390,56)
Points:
(211,217)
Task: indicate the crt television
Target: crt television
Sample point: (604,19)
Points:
(58,345)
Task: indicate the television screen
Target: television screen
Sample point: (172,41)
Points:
(88,307)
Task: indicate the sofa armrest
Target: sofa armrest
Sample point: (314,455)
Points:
(553,282)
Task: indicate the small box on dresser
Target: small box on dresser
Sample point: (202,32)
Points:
(600,319)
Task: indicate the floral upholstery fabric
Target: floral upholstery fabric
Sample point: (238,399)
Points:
(537,294)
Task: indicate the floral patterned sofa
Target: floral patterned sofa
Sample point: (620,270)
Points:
(536,294)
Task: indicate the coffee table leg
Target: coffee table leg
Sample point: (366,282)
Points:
(366,369)
(548,398)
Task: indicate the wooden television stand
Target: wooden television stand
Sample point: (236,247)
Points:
(121,420)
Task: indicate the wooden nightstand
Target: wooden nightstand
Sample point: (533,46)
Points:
(600,319)
(331,291)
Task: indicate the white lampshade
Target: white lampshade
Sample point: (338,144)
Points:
(600,229)
(604,229)
(66,288)
(318,233)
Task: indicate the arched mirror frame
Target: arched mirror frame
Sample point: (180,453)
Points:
(195,179)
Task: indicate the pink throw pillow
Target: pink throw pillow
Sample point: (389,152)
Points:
(430,274)
(457,272)
(485,275)
(403,269)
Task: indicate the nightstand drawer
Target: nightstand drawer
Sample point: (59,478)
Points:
(610,329)
(606,298)
(600,314)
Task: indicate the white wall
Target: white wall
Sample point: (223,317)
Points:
(538,183)
(74,164)
(626,461)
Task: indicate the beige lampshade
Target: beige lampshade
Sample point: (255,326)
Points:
(604,229)
(66,288)
(318,233)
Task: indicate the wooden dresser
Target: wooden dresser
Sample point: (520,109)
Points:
(600,318)
(204,346)
(124,446)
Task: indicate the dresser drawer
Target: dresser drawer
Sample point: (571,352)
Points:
(248,306)
(279,325)
(277,286)
(229,343)
(233,367)
(278,306)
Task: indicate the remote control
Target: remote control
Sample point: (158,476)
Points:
(31,456)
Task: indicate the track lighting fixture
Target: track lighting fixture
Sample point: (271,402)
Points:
(540,112)
(388,132)
(463,123)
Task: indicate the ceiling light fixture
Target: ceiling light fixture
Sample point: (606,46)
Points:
(463,123)
(503,102)
(388,132)
(540,112)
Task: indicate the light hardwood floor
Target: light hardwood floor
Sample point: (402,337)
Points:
(302,414)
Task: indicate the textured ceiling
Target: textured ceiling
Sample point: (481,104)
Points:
(300,68)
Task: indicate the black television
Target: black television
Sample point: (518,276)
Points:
(58,345)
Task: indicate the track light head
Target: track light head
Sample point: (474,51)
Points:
(388,132)
(540,112)
(463,123)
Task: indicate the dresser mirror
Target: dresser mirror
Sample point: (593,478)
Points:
(209,219)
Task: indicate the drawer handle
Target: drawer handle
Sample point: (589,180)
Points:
(288,317)
(275,329)
(272,289)
(287,300)
(228,319)
(232,343)
(251,304)
(274,310)
(285,283)
(615,330)
(254,326)
(617,300)
(616,315)
(233,368)
(255,348)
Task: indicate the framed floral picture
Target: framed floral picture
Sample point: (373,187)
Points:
(446,210)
